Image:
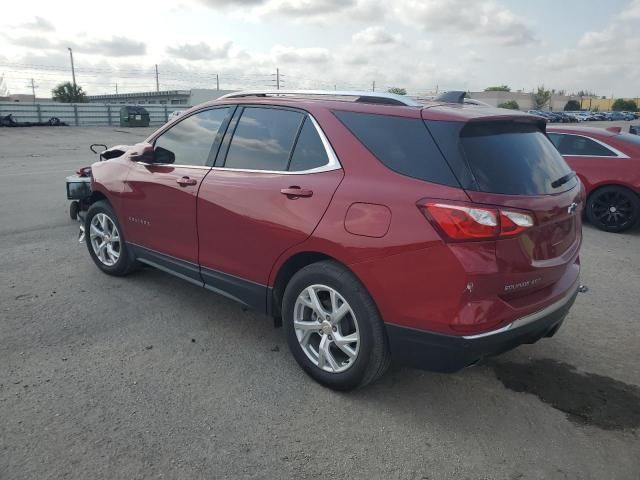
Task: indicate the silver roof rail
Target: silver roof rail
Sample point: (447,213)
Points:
(361,96)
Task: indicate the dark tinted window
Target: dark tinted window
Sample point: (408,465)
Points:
(402,144)
(512,158)
(309,151)
(577,145)
(189,141)
(263,139)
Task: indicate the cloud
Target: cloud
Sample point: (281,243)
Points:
(374,36)
(38,23)
(200,51)
(114,47)
(32,41)
(232,3)
(304,8)
(481,17)
(299,55)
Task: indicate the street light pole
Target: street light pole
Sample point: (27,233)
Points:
(73,70)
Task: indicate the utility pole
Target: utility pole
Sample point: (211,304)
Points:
(33,89)
(217,82)
(116,88)
(373,86)
(73,70)
(157,80)
(278,79)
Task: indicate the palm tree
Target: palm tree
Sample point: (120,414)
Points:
(68,93)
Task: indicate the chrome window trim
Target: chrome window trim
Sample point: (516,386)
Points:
(196,167)
(332,164)
(618,153)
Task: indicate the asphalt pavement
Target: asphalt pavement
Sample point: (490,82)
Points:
(151,377)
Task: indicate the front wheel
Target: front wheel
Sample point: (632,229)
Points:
(105,241)
(333,327)
(613,209)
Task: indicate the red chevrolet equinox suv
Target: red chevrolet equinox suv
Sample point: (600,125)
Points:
(372,226)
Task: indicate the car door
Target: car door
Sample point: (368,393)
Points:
(160,198)
(273,181)
(594,161)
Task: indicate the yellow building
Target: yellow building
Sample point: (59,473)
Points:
(602,104)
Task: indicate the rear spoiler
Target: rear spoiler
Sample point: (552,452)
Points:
(458,96)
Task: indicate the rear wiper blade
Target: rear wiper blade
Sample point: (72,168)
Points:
(564,179)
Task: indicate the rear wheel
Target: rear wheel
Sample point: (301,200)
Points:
(613,209)
(333,328)
(105,241)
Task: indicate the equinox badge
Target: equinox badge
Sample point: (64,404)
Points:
(571,209)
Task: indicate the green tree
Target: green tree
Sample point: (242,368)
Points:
(511,105)
(498,88)
(397,90)
(68,93)
(540,98)
(622,105)
(572,105)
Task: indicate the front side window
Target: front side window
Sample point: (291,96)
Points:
(263,139)
(189,142)
(577,145)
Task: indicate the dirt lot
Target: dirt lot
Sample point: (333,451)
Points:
(151,377)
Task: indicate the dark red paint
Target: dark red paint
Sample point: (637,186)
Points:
(365,216)
(595,172)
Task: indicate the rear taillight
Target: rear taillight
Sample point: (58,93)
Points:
(465,222)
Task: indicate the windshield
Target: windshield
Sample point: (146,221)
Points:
(513,158)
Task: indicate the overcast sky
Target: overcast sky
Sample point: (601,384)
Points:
(417,44)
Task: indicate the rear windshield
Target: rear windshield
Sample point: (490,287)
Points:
(629,138)
(513,158)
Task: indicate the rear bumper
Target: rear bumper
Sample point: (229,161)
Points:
(448,353)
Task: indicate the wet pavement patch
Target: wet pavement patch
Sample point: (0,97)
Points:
(586,398)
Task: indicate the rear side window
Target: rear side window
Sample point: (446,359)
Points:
(309,151)
(402,144)
(578,145)
(512,158)
(263,139)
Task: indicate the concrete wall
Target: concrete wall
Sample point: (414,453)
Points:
(201,95)
(81,114)
(524,99)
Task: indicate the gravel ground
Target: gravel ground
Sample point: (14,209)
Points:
(151,377)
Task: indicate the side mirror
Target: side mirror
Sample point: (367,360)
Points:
(162,155)
(142,152)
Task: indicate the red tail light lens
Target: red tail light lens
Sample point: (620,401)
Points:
(514,223)
(472,222)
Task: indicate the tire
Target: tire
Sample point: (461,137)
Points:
(347,365)
(74,208)
(613,209)
(115,258)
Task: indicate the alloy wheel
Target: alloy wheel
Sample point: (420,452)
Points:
(326,328)
(105,239)
(613,209)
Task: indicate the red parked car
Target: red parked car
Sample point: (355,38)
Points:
(608,163)
(372,226)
